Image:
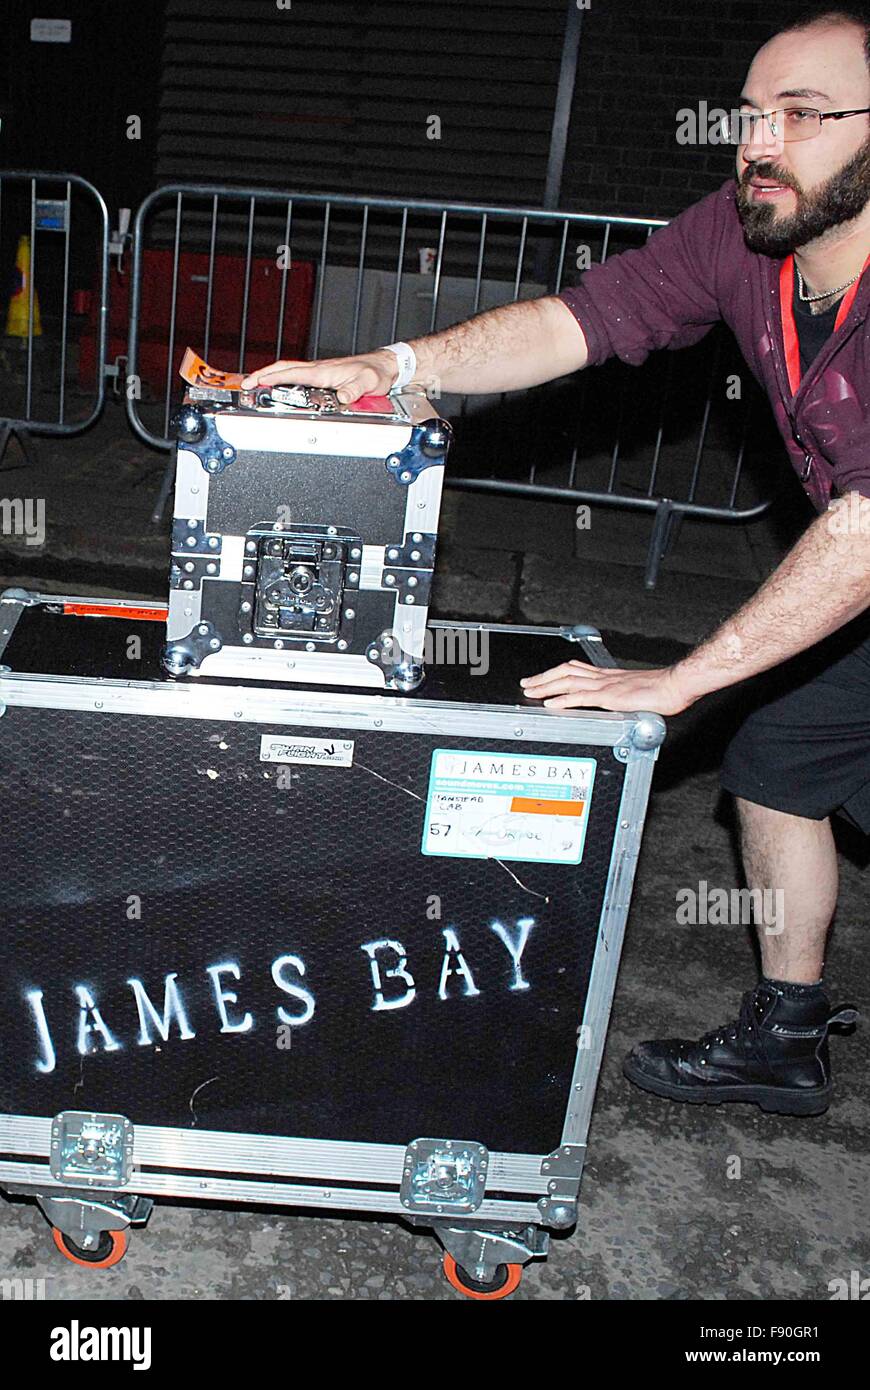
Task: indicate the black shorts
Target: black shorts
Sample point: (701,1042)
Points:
(805,747)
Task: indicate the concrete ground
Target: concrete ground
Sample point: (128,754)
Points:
(677,1202)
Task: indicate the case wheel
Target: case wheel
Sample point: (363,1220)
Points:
(109,1250)
(506,1280)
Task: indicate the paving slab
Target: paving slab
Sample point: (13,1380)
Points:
(611,595)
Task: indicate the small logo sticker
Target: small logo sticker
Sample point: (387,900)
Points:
(322,752)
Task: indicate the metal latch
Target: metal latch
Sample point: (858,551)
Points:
(444,1175)
(286,399)
(294,582)
(91,1148)
(313,400)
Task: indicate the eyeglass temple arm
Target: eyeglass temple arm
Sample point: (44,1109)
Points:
(840,115)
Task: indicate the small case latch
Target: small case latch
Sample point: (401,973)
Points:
(444,1175)
(294,583)
(87,1147)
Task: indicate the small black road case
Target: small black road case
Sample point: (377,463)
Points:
(303,537)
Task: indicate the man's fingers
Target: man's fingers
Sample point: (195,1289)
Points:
(567,677)
(567,668)
(583,699)
(576,683)
(364,383)
(289,373)
(349,377)
(558,685)
(267,373)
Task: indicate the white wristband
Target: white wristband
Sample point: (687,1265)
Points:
(407,360)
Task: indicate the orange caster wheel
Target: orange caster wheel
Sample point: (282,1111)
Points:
(507,1278)
(110,1248)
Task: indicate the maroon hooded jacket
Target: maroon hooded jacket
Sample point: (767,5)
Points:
(697,270)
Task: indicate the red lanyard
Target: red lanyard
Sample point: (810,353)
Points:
(789,329)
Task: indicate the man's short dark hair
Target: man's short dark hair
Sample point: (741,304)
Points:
(856,15)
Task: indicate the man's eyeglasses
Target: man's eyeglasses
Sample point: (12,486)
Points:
(789,124)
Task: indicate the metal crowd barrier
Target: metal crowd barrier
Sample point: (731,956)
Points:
(54,229)
(241,273)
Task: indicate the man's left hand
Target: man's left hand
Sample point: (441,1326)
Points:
(577,684)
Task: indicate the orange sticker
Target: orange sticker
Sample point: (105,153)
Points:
(531,807)
(196,372)
(109,610)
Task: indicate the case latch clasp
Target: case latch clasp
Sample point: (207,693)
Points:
(444,1175)
(87,1147)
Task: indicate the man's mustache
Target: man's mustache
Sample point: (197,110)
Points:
(768,171)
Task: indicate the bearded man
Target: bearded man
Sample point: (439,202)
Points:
(781,255)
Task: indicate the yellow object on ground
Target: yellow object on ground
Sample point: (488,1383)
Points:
(18,317)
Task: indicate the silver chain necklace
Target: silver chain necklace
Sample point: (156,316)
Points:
(828,294)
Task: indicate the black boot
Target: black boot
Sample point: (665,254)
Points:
(774,1055)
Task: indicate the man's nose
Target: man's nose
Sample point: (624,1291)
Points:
(761,143)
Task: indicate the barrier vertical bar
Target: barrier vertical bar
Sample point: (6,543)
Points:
(210,286)
(67,229)
(478,282)
(176,254)
(705,424)
(30,292)
(318,319)
(359,279)
(400,274)
(247,291)
(521,255)
(288,258)
(560,268)
(436,292)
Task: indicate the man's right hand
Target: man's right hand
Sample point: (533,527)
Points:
(370,374)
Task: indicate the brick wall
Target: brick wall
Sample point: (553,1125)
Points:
(641,61)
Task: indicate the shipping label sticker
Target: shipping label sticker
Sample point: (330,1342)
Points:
(196,372)
(506,806)
(320,752)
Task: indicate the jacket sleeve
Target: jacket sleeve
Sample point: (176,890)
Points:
(666,293)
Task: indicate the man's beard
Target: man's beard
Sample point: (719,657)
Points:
(840,199)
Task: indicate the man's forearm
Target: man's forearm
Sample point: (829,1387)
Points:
(821,584)
(504,349)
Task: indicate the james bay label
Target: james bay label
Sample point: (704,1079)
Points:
(501,806)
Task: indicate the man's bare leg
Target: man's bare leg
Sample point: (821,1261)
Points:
(799,857)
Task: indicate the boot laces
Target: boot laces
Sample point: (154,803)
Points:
(742,1030)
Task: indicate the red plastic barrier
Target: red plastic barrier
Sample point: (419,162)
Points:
(226,314)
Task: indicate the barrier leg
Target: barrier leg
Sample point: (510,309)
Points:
(165,489)
(25,444)
(659,541)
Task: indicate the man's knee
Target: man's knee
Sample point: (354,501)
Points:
(752,813)
(753,810)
